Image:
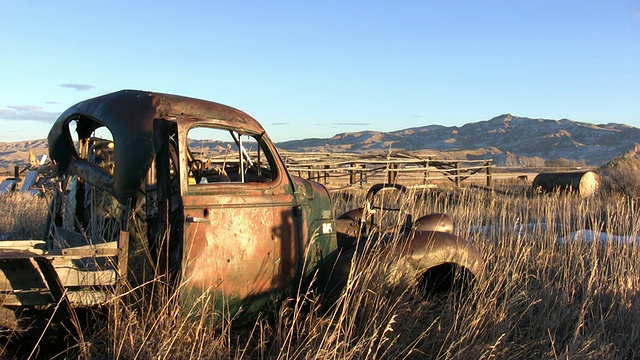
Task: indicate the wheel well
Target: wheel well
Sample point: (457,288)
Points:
(445,278)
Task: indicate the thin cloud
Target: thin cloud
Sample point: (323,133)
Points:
(78,87)
(280,123)
(27,112)
(52,102)
(352,124)
(25,108)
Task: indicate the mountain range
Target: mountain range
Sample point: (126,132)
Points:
(508,140)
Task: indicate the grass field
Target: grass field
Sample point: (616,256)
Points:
(551,291)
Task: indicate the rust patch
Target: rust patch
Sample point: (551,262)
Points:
(235,252)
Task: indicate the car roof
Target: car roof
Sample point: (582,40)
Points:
(130,115)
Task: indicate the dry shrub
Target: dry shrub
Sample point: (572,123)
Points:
(622,176)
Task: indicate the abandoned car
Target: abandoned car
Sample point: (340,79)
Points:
(195,192)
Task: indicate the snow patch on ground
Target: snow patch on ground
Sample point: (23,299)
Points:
(583,235)
(589,236)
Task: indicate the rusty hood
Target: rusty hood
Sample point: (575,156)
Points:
(129,115)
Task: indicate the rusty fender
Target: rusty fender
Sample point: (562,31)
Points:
(422,251)
(428,249)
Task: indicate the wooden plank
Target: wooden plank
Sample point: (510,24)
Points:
(105,249)
(22,245)
(17,274)
(73,253)
(25,249)
(123,254)
(43,298)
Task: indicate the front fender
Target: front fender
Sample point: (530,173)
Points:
(428,249)
(423,251)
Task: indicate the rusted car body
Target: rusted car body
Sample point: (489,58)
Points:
(194,192)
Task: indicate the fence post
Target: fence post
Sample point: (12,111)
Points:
(392,177)
(363,174)
(352,174)
(426,172)
(325,176)
(489,175)
(457,174)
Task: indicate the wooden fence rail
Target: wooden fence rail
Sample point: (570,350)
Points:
(341,172)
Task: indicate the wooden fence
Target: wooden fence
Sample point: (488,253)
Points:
(347,170)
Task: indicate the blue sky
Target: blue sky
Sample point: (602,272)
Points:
(314,69)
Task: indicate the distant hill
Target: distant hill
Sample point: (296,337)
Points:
(17,153)
(508,140)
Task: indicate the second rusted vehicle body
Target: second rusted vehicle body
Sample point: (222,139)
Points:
(195,192)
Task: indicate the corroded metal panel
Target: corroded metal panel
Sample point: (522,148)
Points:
(237,255)
(427,249)
(317,223)
(234,251)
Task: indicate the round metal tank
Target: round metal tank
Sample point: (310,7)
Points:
(586,183)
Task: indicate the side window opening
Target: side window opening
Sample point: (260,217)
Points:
(85,207)
(226,156)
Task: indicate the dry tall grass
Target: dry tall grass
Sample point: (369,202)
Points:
(22,216)
(541,297)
